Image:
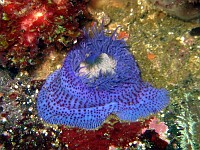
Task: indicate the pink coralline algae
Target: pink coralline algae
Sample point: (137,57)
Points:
(99,77)
(28,27)
(154,141)
(158,126)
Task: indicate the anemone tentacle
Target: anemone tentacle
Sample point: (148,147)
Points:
(99,77)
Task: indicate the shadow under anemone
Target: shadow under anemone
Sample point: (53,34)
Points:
(99,77)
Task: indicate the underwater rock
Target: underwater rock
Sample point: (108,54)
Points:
(4,77)
(183,9)
(99,77)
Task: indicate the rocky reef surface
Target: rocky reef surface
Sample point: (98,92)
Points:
(168,56)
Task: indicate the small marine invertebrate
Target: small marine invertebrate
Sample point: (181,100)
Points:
(99,77)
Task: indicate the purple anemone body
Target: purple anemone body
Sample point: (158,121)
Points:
(99,77)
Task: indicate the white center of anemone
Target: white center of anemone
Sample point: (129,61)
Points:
(105,65)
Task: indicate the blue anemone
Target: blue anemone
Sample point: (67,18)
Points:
(99,77)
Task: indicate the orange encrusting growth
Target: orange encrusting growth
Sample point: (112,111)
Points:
(151,56)
(123,35)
